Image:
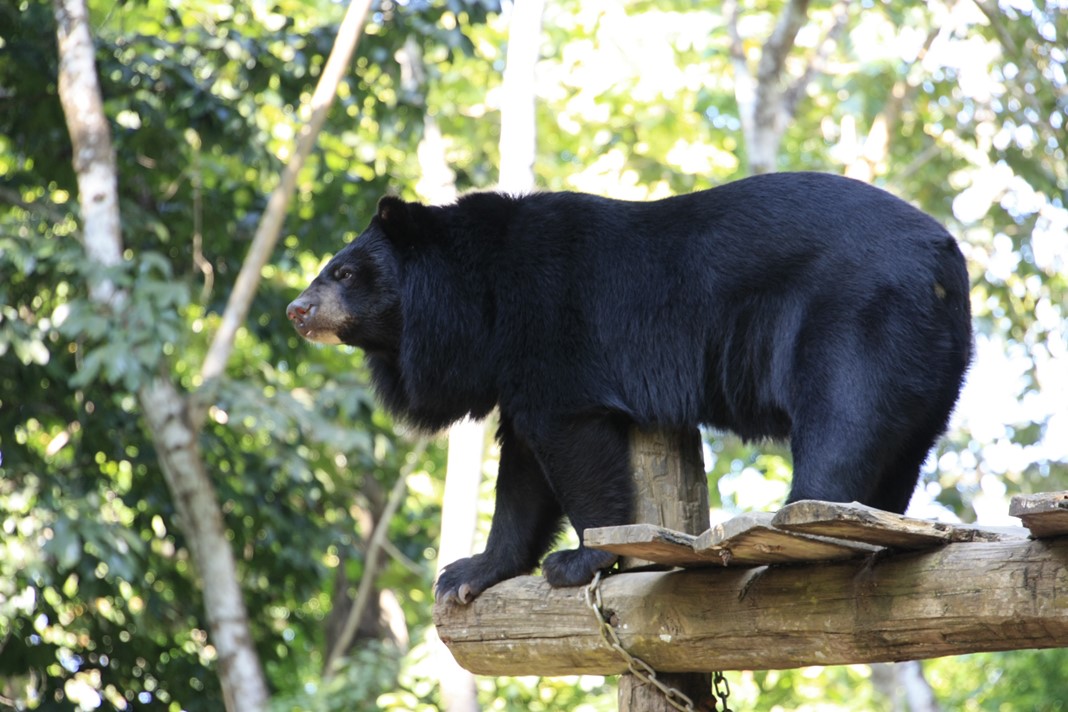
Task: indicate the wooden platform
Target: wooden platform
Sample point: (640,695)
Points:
(815,584)
(810,531)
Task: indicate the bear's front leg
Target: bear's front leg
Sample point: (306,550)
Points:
(526,520)
(587,462)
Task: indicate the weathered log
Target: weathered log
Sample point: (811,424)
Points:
(959,598)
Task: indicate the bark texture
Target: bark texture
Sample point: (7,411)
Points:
(241,674)
(956,599)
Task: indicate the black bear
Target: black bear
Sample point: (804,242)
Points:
(802,306)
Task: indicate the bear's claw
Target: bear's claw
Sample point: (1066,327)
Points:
(462,581)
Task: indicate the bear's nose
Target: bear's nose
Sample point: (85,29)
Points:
(298,310)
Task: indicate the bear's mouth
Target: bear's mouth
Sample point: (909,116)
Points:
(300,323)
(303,317)
(317,336)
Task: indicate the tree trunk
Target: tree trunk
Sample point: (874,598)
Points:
(762,98)
(767,99)
(94,157)
(241,675)
(904,687)
(173,419)
(201,520)
(463,469)
(459,517)
(463,472)
(518,130)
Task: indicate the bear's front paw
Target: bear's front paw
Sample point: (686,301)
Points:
(463,580)
(575,567)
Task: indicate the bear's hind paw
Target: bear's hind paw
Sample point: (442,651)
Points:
(575,567)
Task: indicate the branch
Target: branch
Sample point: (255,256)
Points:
(44,209)
(1026,58)
(744,81)
(370,564)
(761,99)
(270,226)
(816,64)
(781,41)
(876,148)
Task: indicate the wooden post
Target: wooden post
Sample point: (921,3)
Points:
(671,490)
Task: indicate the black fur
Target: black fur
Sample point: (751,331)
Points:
(799,305)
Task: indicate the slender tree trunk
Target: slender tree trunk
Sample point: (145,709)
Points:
(270,226)
(467,438)
(904,687)
(174,419)
(459,517)
(201,520)
(767,99)
(463,468)
(761,96)
(241,675)
(518,133)
(94,157)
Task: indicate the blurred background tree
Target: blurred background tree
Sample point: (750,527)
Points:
(958,106)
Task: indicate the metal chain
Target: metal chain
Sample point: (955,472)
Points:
(641,669)
(721,689)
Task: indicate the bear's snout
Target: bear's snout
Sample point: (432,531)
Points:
(299,311)
(314,319)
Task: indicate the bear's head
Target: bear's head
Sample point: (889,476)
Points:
(356,298)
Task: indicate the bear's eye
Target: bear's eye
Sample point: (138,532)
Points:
(343,274)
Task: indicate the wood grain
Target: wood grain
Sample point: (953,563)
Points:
(1045,515)
(955,599)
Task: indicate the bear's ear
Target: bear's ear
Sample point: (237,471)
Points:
(404,223)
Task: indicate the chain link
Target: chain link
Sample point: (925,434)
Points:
(641,669)
(721,689)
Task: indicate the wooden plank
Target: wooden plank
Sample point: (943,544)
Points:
(951,600)
(751,540)
(1046,515)
(648,542)
(857,522)
(977,532)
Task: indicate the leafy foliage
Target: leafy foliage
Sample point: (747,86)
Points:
(99,605)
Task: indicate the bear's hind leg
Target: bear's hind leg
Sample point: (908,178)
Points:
(587,463)
(839,454)
(897,482)
(526,520)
